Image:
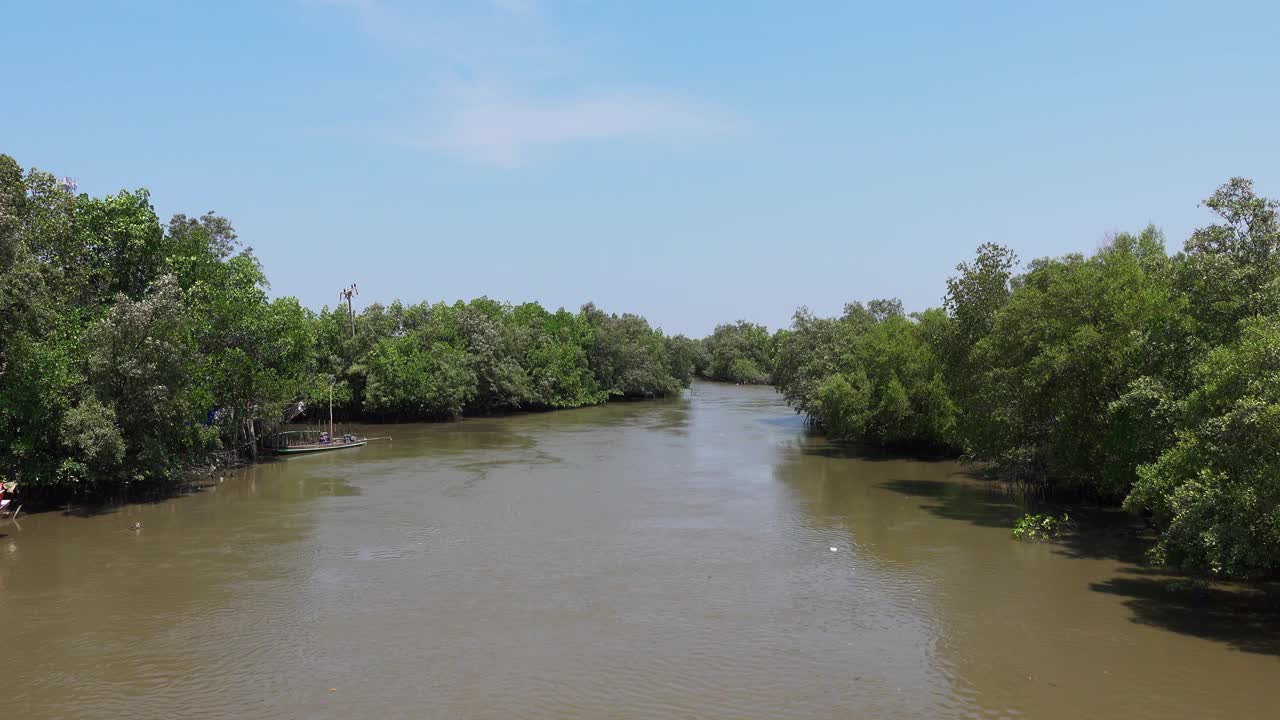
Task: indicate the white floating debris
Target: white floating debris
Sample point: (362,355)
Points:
(835,549)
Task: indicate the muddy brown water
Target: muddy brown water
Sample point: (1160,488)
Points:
(641,560)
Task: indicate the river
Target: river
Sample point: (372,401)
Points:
(704,557)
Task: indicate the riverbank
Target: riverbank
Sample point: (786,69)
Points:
(41,497)
(631,560)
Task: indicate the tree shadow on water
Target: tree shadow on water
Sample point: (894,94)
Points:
(958,500)
(1100,532)
(112,504)
(1247,618)
(1244,616)
(816,444)
(1105,533)
(34,503)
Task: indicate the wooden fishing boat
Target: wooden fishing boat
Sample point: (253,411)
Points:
(315,447)
(300,442)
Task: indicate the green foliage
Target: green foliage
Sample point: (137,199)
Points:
(745,370)
(869,376)
(686,358)
(119,336)
(444,361)
(977,294)
(842,404)
(493,350)
(1031,527)
(131,348)
(740,352)
(41,378)
(973,299)
(1155,379)
(809,353)
(628,357)
(1068,343)
(1126,375)
(120,246)
(91,434)
(410,378)
(139,361)
(1216,492)
(1231,269)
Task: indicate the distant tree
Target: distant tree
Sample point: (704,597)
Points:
(411,377)
(628,357)
(739,352)
(686,358)
(868,376)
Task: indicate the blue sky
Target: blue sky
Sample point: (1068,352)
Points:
(691,162)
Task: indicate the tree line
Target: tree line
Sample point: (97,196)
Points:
(132,349)
(1129,375)
(441,361)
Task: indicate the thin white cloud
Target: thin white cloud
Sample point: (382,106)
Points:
(487,126)
(516,7)
(467,36)
(508,44)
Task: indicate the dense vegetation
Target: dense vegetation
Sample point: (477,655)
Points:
(740,352)
(1128,375)
(128,348)
(443,361)
(131,349)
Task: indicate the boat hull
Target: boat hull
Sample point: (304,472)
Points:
(309,449)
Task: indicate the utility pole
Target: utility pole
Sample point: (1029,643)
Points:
(346,294)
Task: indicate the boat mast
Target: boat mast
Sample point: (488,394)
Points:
(345,293)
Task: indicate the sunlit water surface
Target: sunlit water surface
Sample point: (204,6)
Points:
(694,558)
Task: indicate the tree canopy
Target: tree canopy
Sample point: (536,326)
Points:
(131,348)
(1128,375)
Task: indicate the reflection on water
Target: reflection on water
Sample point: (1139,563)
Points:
(659,559)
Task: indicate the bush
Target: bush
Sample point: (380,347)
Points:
(1041,527)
